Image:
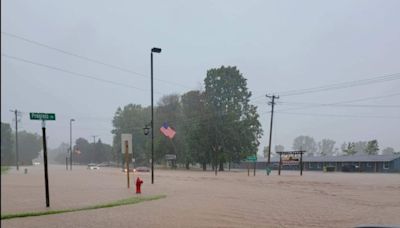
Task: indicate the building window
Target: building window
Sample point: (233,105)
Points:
(369,164)
(318,165)
(310,165)
(386,165)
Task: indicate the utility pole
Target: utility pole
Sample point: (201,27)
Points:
(272,103)
(16,113)
(70,143)
(94,145)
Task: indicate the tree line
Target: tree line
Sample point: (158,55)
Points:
(326,147)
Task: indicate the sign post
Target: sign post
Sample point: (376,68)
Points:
(43,117)
(251,158)
(126,147)
(127,162)
(46,175)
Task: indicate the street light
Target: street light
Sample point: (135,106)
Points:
(155,50)
(146,129)
(70,143)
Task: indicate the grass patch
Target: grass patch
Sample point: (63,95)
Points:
(132,200)
(4,169)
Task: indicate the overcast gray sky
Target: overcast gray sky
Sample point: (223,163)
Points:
(277,45)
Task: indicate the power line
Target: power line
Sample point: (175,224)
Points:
(72,73)
(342,85)
(340,105)
(91,59)
(342,102)
(337,115)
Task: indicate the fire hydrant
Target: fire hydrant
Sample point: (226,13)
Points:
(139,183)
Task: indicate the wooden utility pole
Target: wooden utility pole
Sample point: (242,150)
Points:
(272,103)
(16,113)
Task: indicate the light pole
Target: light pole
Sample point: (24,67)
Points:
(155,50)
(70,143)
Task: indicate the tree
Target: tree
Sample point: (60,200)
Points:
(388,151)
(233,122)
(30,146)
(372,147)
(326,147)
(193,108)
(265,151)
(169,111)
(132,119)
(7,145)
(279,148)
(306,143)
(59,154)
(360,147)
(348,148)
(85,149)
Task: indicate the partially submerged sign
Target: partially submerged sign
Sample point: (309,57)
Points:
(126,137)
(42,116)
(170,157)
(251,158)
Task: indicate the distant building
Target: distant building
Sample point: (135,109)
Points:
(351,163)
(361,163)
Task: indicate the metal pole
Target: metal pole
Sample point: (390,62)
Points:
(301,163)
(16,139)
(46,176)
(280,164)
(255,164)
(127,162)
(152,123)
(94,146)
(70,144)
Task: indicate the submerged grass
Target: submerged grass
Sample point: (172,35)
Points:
(4,169)
(132,200)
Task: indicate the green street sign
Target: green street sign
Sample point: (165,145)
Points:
(42,116)
(251,158)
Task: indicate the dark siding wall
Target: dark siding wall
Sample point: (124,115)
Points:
(396,165)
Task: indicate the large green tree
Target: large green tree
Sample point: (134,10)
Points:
(7,145)
(29,147)
(95,152)
(372,147)
(233,122)
(195,128)
(132,119)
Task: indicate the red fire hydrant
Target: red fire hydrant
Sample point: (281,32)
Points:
(139,183)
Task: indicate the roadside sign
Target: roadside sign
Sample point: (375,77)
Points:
(42,116)
(251,158)
(126,137)
(170,157)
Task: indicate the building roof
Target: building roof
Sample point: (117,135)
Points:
(353,158)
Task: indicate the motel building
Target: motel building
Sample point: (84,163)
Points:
(350,163)
(354,163)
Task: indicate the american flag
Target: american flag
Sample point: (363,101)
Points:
(167,131)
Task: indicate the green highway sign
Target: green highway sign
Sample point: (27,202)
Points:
(42,116)
(251,158)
